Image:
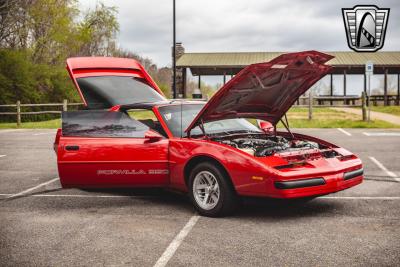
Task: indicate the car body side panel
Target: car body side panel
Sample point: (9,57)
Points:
(255,176)
(240,166)
(113,162)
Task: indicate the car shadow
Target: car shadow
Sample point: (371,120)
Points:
(280,209)
(153,196)
(247,208)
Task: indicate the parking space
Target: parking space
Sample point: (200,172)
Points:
(51,226)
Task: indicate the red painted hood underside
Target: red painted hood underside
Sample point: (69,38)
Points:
(266,91)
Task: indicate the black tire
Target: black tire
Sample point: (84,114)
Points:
(228,199)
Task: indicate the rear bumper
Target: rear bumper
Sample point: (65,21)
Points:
(317,186)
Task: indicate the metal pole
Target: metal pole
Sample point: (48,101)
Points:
(184,82)
(174,50)
(369,96)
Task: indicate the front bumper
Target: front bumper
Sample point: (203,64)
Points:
(317,185)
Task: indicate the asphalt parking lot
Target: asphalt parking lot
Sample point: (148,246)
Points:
(44,225)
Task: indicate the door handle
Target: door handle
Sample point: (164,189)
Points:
(72,148)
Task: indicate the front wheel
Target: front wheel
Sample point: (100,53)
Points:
(210,190)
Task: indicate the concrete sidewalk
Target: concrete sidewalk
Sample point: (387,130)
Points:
(374,115)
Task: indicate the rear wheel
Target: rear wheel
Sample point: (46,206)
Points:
(210,190)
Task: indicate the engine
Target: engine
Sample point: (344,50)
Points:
(261,147)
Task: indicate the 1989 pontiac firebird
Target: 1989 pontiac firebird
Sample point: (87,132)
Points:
(130,135)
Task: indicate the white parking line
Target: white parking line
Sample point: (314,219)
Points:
(90,196)
(363,198)
(44,133)
(82,196)
(123,196)
(383,168)
(33,188)
(2,156)
(174,245)
(345,132)
(381,134)
(10,130)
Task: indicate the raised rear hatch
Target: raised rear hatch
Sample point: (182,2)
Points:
(104,82)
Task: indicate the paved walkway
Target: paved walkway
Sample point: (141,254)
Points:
(374,115)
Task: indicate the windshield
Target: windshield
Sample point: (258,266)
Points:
(106,91)
(172,117)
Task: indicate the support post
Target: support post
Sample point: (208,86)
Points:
(365,83)
(65,105)
(184,82)
(18,113)
(331,88)
(365,88)
(310,104)
(398,89)
(224,78)
(364,106)
(199,81)
(344,86)
(385,96)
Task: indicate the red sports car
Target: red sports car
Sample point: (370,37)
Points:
(130,135)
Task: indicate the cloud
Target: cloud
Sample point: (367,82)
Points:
(236,25)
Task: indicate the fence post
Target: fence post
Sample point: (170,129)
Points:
(65,105)
(310,104)
(364,106)
(18,113)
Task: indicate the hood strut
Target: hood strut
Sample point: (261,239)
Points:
(201,126)
(286,124)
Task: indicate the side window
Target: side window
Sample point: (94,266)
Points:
(148,118)
(99,123)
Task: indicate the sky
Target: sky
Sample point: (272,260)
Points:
(239,25)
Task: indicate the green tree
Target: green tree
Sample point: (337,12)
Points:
(37,36)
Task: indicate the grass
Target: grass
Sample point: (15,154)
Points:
(394,110)
(56,123)
(50,124)
(329,118)
(298,118)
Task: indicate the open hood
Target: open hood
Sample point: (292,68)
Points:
(267,90)
(104,82)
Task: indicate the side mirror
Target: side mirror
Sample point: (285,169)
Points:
(152,136)
(266,126)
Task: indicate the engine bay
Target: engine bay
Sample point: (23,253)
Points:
(267,145)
